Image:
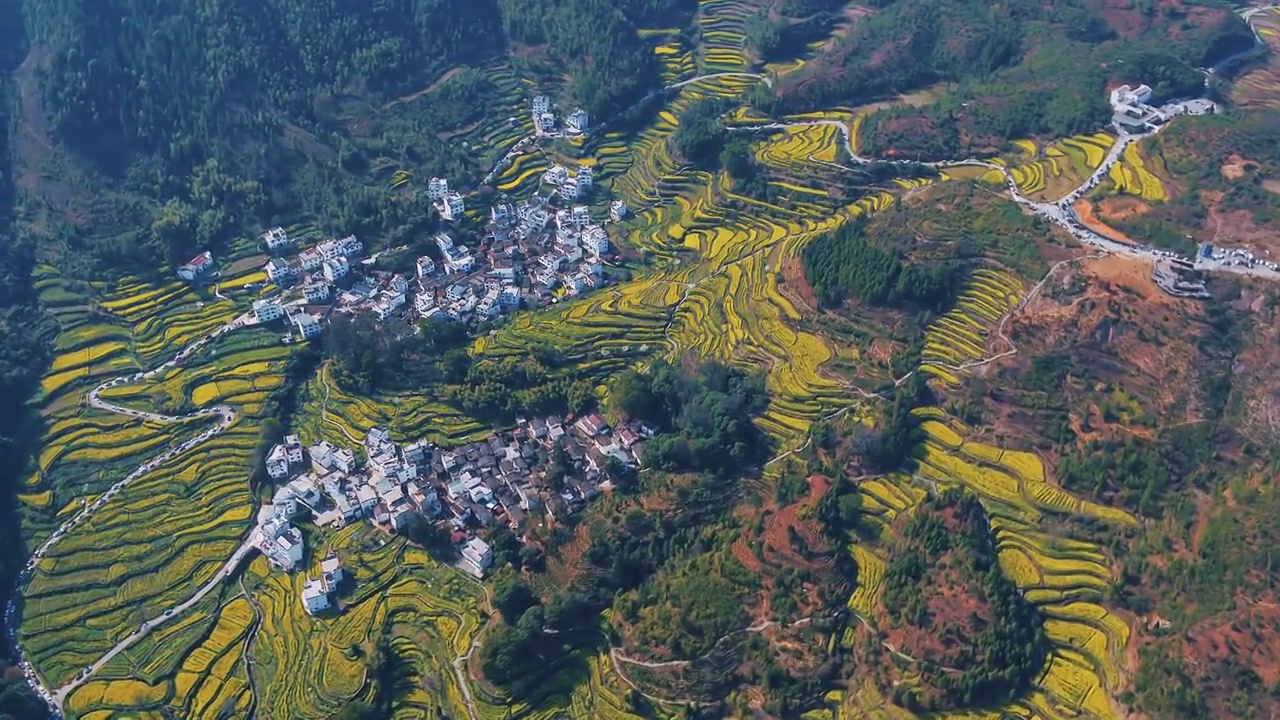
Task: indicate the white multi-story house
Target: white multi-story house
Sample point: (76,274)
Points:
(315,596)
(581,215)
(541,104)
(196,266)
(457,291)
(503,270)
(304,489)
(322,454)
(336,269)
(416,452)
(535,222)
(546,276)
(571,253)
(569,190)
(595,240)
(577,121)
(546,121)
(344,460)
(275,238)
(401,517)
(502,214)
(278,463)
(308,325)
(267,310)
(279,271)
(477,554)
(424,303)
(569,237)
(437,188)
(572,282)
(459,260)
(293,450)
(444,242)
(556,175)
(551,261)
(317,592)
(399,283)
(366,497)
(311,259)
(509,298)
(618,210)
(452,207)
(488,309)
(329,249)
(281,542)
(317,292)
(331,568)
(350,246)
(586,177)
(426,266)
(388,304)
(1124,95)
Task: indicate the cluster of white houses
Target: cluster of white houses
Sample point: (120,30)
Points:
(448,203)
(318,266)
(568,186)
(1132,110)
(531,252)
(477,486)
(544,120)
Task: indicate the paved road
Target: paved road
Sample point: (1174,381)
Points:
(226,417)
(1060,212)
(754,76)
(1259,43)
(247,547)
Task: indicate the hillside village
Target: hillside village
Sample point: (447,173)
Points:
(544,465)
(530,254)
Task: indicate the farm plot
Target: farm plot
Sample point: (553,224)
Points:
(1084,153)
(1130,176)
(1066,578)
(345,418)
(148,549)
(193,668)
(961,336)
(723,37)
(166,533)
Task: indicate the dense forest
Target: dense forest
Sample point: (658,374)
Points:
(947,557)
(704,419)
(212,118)
(25,333)
(915,258)
(847,264)
(597,43)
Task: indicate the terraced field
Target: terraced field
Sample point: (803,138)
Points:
(713,288)
(1067,578)
(168,531)
(1131,176)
